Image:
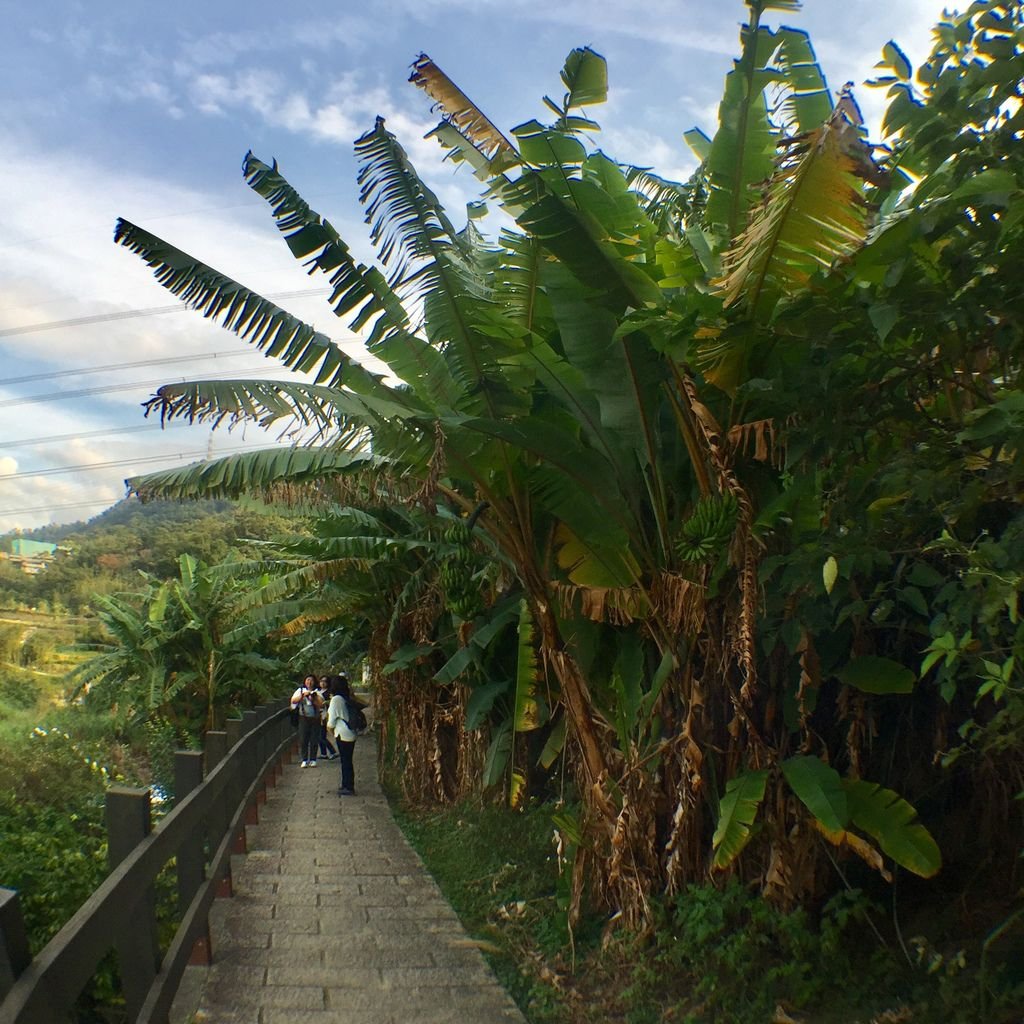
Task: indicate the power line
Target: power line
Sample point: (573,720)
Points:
(57,508)
(32,442)
(121,366)
(56,396)
(129,314)
(85,467)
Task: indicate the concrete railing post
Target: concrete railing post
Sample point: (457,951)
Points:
(15,955)
(129,822)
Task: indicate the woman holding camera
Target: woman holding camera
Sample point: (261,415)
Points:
(306,700)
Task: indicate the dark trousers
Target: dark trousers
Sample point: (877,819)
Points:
(309,737)
(348,775)
(326,747)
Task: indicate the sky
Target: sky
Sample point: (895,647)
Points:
(115,108)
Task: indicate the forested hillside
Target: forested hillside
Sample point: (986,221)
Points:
(105,554)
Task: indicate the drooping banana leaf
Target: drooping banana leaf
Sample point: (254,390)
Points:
(820,788)
(489,626)
(306,406)
(496,760)
(889,819)
(666,203)
(736,814)
(517,291)
(554,745)
(872,674)
(626,690)
(429,263)
(277,333)
(460,112)
(813,214)
(577,237)
(249,473)
(622,377)
(357,289)
(573,486)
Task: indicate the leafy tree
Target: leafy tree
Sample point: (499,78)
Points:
(177,649)
(654,399)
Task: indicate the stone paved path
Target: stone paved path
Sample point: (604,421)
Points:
(336,921)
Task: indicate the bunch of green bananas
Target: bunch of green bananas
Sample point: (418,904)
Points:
(708,530)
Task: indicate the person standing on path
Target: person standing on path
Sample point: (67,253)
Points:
(307,701)
(325,746)
(338,717)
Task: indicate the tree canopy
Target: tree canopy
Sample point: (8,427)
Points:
(710,489)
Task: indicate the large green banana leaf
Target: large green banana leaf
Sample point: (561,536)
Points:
(736,813)
(820,789)
(889,819)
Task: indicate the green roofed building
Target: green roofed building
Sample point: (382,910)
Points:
(31,556)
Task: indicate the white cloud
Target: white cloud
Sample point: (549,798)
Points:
(49,275)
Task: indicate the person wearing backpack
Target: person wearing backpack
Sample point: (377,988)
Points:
(307,702)
(343,720)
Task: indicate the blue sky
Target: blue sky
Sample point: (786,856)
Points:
(118,108)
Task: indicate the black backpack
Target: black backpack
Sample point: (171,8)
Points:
(356,720)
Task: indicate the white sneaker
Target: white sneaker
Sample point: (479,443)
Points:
(312,764)
(305,764)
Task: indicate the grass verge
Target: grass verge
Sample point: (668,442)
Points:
(711,955)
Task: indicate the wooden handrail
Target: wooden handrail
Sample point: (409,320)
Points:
(44,990)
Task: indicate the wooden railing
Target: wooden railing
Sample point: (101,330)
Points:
(206,826)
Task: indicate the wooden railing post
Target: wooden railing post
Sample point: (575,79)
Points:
(14,951)
(251,763)
(215,746)
(129,822)
(233,728)
(215,749)
(237,784)
(191,858)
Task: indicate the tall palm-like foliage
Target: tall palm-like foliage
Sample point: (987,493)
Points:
(578,393)
(178,648)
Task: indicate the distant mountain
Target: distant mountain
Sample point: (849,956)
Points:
(127,512)
(105,554)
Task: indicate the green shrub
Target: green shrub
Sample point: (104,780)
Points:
(18,688)
(53,858)
(728,957)
(10,642)
(38,647)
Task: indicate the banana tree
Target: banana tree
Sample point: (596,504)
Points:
(178,648)
(548,390)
